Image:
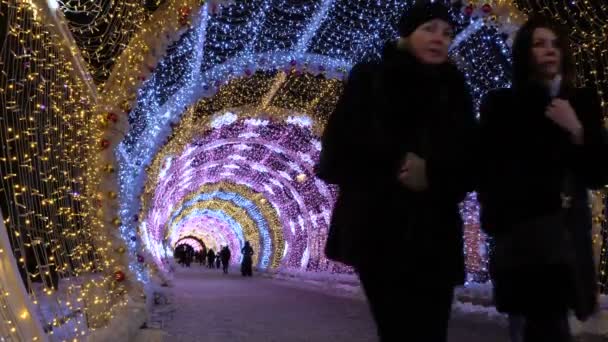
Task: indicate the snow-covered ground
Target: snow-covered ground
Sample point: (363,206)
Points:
(292,306)
(473,299)
(210,306)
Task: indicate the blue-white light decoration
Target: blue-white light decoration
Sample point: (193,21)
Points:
(289,41)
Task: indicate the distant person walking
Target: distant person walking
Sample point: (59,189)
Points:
(210,258)
(225,255)
(247,264)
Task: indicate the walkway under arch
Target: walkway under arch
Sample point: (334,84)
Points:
(213,307)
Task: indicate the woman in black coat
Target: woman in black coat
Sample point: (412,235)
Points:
(398,146)
(543,147)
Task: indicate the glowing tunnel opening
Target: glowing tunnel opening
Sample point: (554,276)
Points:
(196,244)
(243,179)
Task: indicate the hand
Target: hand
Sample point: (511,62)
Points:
(413,173)
(561,112)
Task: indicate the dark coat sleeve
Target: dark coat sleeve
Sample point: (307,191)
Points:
(492,145)
(451,171)
(590,162)
(349,156)
(503,146)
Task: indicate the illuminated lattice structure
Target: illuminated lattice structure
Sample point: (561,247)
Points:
(102,29)
(48,147)
(196,245)
(244,180)
(224,165)
(222,134)
(281,59)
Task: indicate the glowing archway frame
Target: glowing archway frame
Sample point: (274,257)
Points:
(227,214)
(213,241)
(196,224)
(304,214)
(226,236)
(171,111)
(263,246)
(195,244)
(268,224)
(195,237)
(270,200)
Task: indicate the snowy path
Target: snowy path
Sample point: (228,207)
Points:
(212,307)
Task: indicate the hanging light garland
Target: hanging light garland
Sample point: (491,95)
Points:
(49,147)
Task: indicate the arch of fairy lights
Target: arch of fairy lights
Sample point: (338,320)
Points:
(304,78)
(197,238)
(256,224)
(214,227)
(195,244)
(244,180)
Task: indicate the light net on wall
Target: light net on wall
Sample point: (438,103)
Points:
(47,142)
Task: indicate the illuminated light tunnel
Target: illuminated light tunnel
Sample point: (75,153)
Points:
(245,180)
(196,244)
(224,138)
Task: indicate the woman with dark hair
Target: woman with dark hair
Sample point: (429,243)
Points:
(543,146)
(399,146)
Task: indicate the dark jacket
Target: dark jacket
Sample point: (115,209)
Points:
(225,255)
(388,109)
(527,161)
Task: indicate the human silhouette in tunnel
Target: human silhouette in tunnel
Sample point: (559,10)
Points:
(218,260)
(201,256)
(184,255)
(225,256)
(210,258)
(189,255)
(247,264)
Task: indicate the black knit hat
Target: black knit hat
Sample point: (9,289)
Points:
(420,13)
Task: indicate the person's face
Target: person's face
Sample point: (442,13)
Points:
(546,54)
(431,41)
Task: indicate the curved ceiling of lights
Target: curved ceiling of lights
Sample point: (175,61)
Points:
(225,133)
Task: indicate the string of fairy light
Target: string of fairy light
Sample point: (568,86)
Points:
(102,29)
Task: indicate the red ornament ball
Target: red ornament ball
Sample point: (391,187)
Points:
(119,276)
(486,8)
(112,117)
(469,10)
(214,8)
(105,143)
(184,15)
